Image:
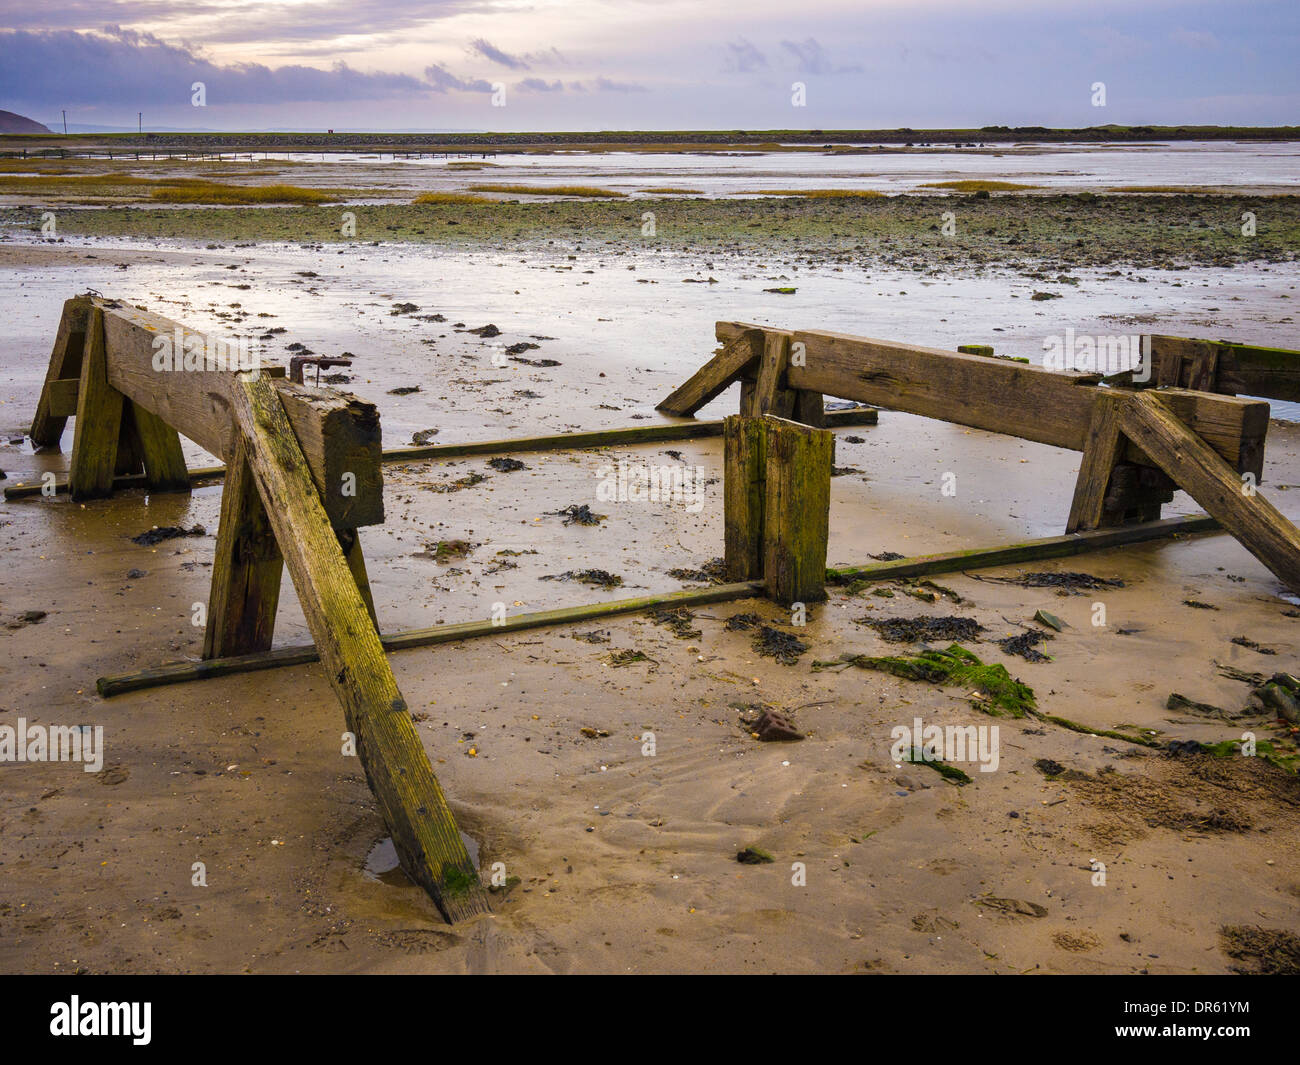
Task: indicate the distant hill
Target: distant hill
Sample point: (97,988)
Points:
(11,123)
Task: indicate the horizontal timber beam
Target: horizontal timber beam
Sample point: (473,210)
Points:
(635,434)
(1240,369)
(1029,550)
(998,396)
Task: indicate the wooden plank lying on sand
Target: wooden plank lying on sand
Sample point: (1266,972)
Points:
(949,562)
(635,434)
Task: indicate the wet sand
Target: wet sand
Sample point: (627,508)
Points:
(628,862)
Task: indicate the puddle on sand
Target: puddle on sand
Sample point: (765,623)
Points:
(382,864)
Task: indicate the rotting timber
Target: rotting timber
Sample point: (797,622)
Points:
(307,475)
(287,449)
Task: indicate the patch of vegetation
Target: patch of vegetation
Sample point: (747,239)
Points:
(584,191)
(215,192)
(973,185)
(823,194)
(451,197)
(925,627)
(1002,694)
(949,772)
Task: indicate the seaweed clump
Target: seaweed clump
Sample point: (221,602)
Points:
(1000,693)
(925,627)
(784,646)
(712,572)
(678,620)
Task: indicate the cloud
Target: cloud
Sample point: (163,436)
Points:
(63,68)
(488,50)
(811,58)
(538,85)
(441,79)
(744,57)
(605,85)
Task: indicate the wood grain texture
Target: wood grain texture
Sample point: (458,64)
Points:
(1101,453)
(744,476)
(999,396)
(738,354)
(339,433)
(796,510)
(412,802)
(99,421)
(1239,369)
(246,570)
(65,364)
(160,451)
(1151,423)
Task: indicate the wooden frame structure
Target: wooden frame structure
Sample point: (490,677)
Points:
(1138,446)
(304,474)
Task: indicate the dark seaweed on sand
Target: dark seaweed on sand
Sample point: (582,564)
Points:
(1065,580)
(738,622)
(926,627)
(784,646)
(678,620)
(712,572)
(579,515)
(1025,645)
(600,577)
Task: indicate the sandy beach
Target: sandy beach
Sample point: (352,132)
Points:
(627,861)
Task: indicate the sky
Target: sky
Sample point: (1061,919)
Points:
(534,65)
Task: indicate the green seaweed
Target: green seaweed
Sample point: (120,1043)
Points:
(955,665)
(948,772)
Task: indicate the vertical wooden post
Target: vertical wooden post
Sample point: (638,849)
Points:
(744,474)
(99,420)
(796,515)
(1101,454)
(160,451)
(771,394)
(413,805)
(246,571)
(65,362)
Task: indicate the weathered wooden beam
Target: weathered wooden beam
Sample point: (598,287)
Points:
(65,363)
(772,394)
(1101,454)
(1239,369)
(99,421)
(637,434)
(796,510)
(423,829)
(738,354)
(247,569)
(1000,396)
(160,450)
(339,434)
(916,566)
(61,397)
(1150,422)
(743,497)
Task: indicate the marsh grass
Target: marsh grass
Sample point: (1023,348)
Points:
(213,192)
(670,190)
(451,197)
(587,191)
(973,185)
(824,194)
